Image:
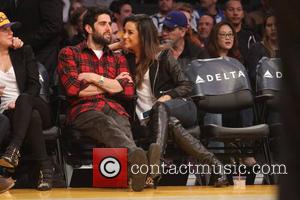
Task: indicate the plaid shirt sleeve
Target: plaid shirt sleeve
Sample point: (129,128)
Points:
(68,73)
(128,88)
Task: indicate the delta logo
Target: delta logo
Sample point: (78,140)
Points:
(220,76)
(268,74)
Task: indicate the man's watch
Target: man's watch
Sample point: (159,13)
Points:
(101,81)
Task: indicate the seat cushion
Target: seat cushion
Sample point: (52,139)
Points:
(236,134)
(226,103)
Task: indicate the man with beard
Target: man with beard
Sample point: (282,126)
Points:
(90,75)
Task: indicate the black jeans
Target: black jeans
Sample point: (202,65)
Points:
(30,116)
(4,127)
(107,127)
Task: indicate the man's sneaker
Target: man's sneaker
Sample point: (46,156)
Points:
(137,157)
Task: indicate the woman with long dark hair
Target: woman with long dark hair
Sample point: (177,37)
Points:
(162,89)
(223,41)
(268,47)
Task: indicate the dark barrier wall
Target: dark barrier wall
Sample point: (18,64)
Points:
(288,16)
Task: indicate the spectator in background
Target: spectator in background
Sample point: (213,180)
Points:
(70,26)
(268,47)
(205,25)
(223,41)
(41,28)
(76,21)
(102,3)
(175,28)
(187,10)
(116,36)
(255,19)
(209,7)
(75,5)
(235,14)
(121,9)
(164,6)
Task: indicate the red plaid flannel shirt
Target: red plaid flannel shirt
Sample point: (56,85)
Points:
(74,60)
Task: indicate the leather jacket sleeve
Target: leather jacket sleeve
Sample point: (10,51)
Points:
(182,84)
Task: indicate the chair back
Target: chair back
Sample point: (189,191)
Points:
(221,84)
(268,74)
(269,79)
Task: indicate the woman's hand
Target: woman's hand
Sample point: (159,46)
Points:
(116,46)
(11,105)
(123,75)
(164,98)
(17,43)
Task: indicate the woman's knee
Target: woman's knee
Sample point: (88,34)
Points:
(4,122)
(4,127)
(24,99)
(159,106)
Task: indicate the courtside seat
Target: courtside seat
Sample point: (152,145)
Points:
(78,157)
(78,149)
(221,86)
(268,87)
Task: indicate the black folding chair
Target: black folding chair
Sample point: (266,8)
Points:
(268,86)
(222,85)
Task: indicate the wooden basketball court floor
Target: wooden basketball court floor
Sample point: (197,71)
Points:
(251,192)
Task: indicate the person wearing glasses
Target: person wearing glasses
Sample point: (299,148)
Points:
(223,41)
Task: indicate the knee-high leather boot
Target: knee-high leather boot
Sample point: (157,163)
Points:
(159,127)
(195,148)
